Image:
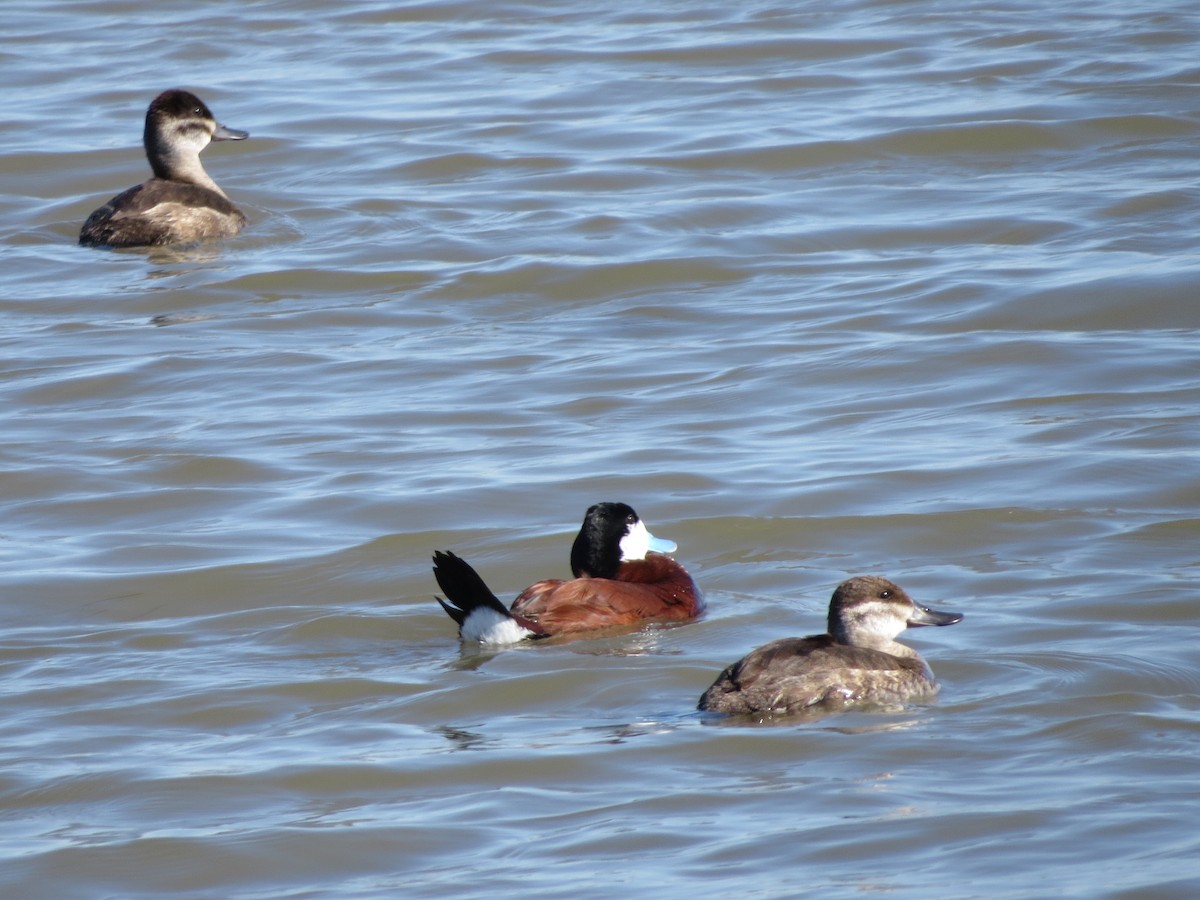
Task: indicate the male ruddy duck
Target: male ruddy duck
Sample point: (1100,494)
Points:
(622,577)
(180,203)
(857,661)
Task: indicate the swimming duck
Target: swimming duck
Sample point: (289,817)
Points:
(180,203)
(622,577)
(857,661)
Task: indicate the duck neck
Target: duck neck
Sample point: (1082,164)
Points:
(589,559)
(848,633)
(186,167)
(177,160)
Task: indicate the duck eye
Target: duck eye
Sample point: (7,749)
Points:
(630,519)
(884,595)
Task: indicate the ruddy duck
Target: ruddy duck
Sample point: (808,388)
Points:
(856,662)
(622,577)
(180,203)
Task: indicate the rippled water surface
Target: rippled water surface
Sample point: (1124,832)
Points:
(819,288)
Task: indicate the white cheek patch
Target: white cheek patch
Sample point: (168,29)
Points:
(487,626)
(638,542)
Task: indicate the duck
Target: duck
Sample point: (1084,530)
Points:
(623,577)
(856,662)
(181,203)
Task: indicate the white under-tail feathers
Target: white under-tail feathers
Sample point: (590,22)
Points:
(470,602)
(488,626)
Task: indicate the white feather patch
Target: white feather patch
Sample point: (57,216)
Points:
(487,626)
(638,542)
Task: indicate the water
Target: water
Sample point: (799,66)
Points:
(820,289)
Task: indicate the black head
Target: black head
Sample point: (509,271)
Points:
(597,548)
(177,104)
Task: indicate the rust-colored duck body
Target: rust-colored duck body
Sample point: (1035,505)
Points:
(623,577)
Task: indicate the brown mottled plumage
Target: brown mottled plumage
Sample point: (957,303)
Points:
(181,203)
(856,661)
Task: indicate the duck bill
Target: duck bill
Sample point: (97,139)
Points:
(660,545)
(923,615)
(229,134)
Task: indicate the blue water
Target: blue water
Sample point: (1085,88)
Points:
(828,289)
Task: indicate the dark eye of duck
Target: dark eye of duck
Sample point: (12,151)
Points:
(884,594)
(630,519)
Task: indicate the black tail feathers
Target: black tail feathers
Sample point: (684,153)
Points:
(463,587)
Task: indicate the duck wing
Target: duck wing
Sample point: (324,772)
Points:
(799,673)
